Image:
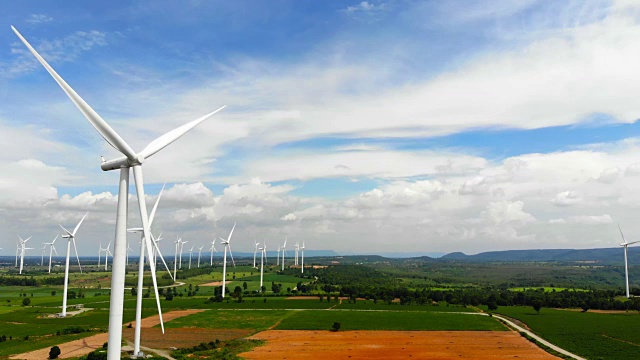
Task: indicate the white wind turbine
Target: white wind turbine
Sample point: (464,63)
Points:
(284,251)
(52,249)
(175,259)
(107,252)
(255,251)
(625,244)
(100,250)
(278,259)
(190,256)
(129,249)
(224,261)
(71,236)
(17,252)
(199,253)
(133,160)
(181,250)
(262,256)
(141,260)
(297,248)
(23,251)
(302,255)
(156,252)
(213,249)
(44,246)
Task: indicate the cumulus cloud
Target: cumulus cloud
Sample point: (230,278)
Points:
(38,19)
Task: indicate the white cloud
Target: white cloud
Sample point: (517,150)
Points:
(363,6)
(38,19)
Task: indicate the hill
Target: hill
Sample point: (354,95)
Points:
(601,256)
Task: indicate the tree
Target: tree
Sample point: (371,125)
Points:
(53,293)
(244,285)
(492,306)
(54,352)
(336,326)
(537,305)
(26,301)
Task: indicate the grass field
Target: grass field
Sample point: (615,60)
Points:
(592,335)
(387,320)
(546,289)
(257,320)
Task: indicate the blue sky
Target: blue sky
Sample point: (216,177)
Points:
(464,125)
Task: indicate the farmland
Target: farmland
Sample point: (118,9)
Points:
(358,297)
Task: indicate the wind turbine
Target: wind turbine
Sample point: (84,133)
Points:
(136,337)
(199,253)
(52,248)
(213,249)
(302,255)
(175,259)
(625,244)
(278,259)
(129,249)
(190,255)
(284,251)
(224,261)
(100,250)
(23,250)
(297,248)
(181,250)
(133,160)
(107,252)
(71,236)
(17,252)
(44,246)
(262,255)
(255,251)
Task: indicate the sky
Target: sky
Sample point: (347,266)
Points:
(364,127)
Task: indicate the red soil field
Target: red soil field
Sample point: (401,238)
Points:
(433,345)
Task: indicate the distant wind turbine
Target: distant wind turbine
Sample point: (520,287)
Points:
(224,261)
(52,249)
(213,248)
(23,251)
(71,236)
(199,253)
(625,244)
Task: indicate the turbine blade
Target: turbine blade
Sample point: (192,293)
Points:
(155,206)
(155,243)
(54,250)
(231,233)
(80,223)
(137,174)
(173,135)
(230,253)
(76,250)
(621,233)
(98,123)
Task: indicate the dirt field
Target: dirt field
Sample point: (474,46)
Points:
(150,337)
(215,283)
(182,337)
(433,345)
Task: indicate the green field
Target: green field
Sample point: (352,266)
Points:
(257,320)
(545,289)
(387,320)
(592,335)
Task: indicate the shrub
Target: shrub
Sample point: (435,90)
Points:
(26,301)
(54,352)
(336,326)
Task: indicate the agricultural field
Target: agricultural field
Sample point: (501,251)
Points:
(592,335)
(363,299)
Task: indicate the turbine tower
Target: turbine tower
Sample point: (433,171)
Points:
(181,250)
(297,248)
(133,160)
(71,236)
(224,261)
(625,244)
(175,259)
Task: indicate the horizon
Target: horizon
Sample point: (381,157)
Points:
(354,125)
